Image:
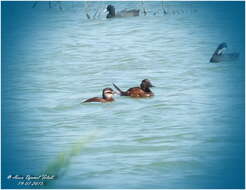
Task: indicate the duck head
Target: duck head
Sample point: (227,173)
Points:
(146,84)
(220,49)
(108,93)
(111,11)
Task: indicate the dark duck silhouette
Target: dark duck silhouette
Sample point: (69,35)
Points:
(138,92)
(220,56)
(124,13)
(107,96)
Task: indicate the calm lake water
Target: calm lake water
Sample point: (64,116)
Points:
(189,135)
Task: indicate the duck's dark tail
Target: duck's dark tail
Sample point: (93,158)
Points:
(122,93)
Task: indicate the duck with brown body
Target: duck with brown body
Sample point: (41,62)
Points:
(107,96)
(138,92)
(124,13)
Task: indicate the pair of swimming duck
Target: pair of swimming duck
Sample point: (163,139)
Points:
(135,92)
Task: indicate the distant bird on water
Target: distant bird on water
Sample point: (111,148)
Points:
(219,55)
(124,13)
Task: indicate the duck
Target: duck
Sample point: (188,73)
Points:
(124,13)
(138,92)
(107,96)
(219,55)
